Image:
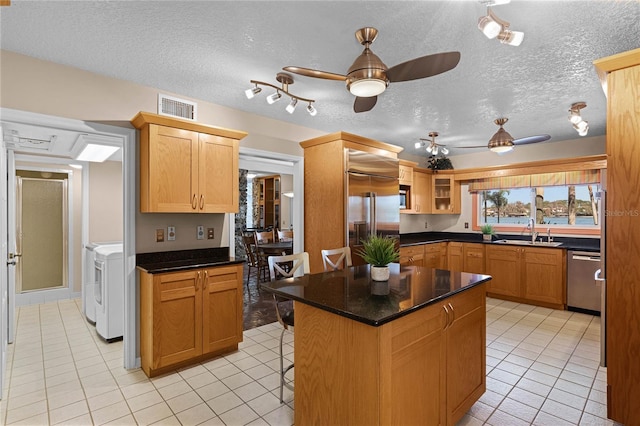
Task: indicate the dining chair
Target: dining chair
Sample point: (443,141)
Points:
(264,237)
(284,307)
(334,259)
(285,235)
(254,261)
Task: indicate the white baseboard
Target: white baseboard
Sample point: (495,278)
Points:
(45,296)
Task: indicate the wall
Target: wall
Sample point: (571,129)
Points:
(286,185)
(526,153)
(44,87)
(105,202)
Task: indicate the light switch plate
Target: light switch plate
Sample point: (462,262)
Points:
(171,233)
(200,233)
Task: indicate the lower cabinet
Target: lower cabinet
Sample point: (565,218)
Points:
(439,348)
(435,255)
(527,274)
(473,258)
(188,316)
(412,255)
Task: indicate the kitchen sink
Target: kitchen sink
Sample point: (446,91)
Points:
(529,243)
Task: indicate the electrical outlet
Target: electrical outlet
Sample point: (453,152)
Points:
(426,224)
(200,233)
(159,235)
(466,225)
(171,233)
(209,233)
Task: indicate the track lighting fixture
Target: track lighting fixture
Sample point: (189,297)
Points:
(285,80)
(432,148)
(581,126)
(494,27)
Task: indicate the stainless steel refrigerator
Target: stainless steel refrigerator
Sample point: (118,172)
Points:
(601,275)
(373,200)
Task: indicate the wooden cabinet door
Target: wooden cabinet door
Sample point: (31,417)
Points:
(418,369)
(217,174)
(435,255)
(445,192)
(473,255)
(466,365)
(421,192)
(170,170)
(412,255)
(543,275)
(454,257)
(222,308)
(177,317)
(503,264)
(405,175)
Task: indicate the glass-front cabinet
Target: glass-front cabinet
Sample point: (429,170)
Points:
(445,194)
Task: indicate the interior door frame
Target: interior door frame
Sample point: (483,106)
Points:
(275,163)
(4,267)
(126,136)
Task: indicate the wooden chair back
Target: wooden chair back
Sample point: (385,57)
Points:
(334,259)
(285,235)
(264,237)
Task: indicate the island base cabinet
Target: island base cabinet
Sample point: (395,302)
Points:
(427,367)
(189,316)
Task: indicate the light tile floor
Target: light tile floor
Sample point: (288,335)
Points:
(542,369)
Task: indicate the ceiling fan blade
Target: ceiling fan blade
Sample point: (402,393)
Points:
(474,147)
(315,73)
(364,104)
(531,139)
(423,67)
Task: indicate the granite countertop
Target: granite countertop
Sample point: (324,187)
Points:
(181,260)
(352,294)
(568,243)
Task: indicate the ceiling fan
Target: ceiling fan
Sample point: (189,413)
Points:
(368,76)
(433,147)
(502,141)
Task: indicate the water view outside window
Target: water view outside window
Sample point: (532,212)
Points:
(575,205)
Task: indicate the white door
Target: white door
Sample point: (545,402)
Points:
(11,244)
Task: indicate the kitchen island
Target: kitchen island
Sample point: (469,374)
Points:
(407,351)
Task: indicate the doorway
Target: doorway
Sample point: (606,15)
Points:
(42,231)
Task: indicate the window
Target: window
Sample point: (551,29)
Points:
(560,207)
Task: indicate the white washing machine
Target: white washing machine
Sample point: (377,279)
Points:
(89,280)
(109,292)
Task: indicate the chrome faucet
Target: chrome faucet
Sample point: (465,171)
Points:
(532,228)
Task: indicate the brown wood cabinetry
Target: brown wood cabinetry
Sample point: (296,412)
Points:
(435,255)
(421,192)
(186,167)
(412,255)
(455,259)
(426,368)
(188,316)
(622,75)
(473,255)
(445,191)
(324,189)
(405,172)
(527,274)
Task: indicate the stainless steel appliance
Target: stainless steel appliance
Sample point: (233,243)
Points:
(373,206)
(600,275)
(582,294)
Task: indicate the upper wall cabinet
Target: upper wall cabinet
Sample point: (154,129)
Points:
(187,167)
(446,194)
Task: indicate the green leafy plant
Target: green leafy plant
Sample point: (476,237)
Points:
(439,163)
(487,229)
(379,251)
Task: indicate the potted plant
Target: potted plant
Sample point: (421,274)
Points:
(379,252)
(487,232)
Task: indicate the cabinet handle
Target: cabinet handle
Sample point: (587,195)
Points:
(446,312)
(201,201)
(197,280)
(194,202)
(453,314)
(205,279)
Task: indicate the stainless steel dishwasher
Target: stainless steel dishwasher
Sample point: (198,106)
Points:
(582,293)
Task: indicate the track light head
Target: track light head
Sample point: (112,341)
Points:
(292,105)
(489,27)
(311,110)
(512,38)
(250,93)
(273,98)
(579,124)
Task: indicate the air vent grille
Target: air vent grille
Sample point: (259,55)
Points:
(174,107)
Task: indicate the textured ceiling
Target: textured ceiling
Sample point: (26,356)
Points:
(211,49)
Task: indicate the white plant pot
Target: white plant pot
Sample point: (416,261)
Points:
(486,237)
(379,273)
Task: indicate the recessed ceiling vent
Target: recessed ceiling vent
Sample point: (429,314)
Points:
(174,107)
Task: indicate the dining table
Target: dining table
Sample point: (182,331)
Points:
(276,248)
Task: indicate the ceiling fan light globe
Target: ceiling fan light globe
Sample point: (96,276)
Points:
(367,87)
(501,149)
